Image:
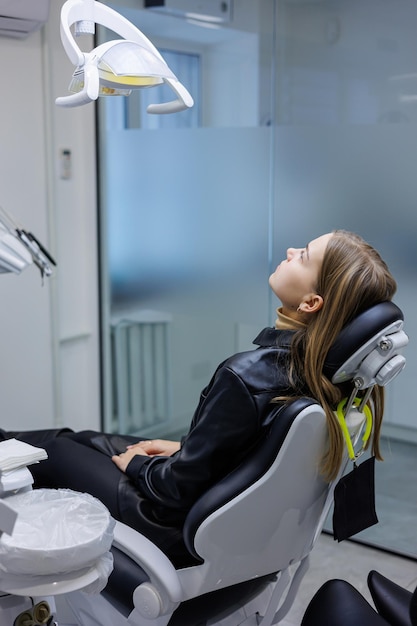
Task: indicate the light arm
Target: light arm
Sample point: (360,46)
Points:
(184,100)
(90,12)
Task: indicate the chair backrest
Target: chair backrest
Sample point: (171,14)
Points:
(270,522)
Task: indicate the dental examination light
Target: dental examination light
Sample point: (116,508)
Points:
(19,248)
(115,67)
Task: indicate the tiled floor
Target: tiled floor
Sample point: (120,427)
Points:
(350,561)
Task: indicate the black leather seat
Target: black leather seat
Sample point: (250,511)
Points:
(396,604)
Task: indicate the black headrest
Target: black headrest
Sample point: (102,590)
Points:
(358,332)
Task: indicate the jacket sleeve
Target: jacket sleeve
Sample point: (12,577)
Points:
(225,424)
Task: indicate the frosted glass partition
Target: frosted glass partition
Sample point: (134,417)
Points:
(190,234)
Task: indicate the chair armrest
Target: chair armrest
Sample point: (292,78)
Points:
(151,559)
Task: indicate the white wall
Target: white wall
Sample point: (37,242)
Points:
(48,335)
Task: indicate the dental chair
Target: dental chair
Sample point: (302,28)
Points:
(251,534)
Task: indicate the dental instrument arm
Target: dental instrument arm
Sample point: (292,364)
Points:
(20,248)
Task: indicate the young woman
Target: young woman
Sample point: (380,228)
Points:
(151,485)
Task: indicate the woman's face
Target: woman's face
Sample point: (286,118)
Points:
(296,277)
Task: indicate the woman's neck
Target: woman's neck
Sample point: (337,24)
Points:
(283,322)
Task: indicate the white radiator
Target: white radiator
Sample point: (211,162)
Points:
(140,367)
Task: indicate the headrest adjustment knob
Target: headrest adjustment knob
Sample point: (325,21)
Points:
(385,344)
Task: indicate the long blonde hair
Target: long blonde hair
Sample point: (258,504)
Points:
(352,278)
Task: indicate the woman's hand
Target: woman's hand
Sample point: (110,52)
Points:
(157,447)
(122,460)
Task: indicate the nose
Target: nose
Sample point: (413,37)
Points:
(290,253)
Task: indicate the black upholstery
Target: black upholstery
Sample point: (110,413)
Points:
(358,332)
(396,604)
(338,603)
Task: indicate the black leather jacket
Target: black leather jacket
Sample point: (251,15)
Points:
(232,411)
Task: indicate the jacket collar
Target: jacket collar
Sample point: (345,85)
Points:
(271,337)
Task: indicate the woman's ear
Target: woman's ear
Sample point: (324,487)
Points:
(311,303)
